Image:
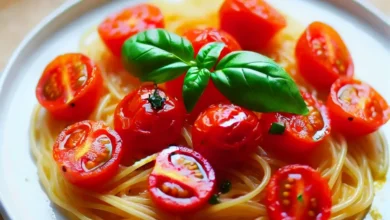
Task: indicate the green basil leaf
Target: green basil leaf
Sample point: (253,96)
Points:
(195,82)
(157,55)
(258,83)
(208,55)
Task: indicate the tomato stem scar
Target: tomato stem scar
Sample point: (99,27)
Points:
(156,100)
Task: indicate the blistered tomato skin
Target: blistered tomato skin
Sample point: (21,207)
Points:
(199,38)
(182,180)
(298,192)
(252,23)
(88,153)
(226,134)
(70,87)
(355,108)
(302,132)
(322,56)
(148,120)
(117,28)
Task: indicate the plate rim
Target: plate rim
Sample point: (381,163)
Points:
(373,13)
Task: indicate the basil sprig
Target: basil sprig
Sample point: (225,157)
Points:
(246,78)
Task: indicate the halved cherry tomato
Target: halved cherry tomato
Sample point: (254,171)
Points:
(70,87)
(251,22)
(302,132)
(148,120)
(88,153)
(117,28)
(199,38)
(355,108)
(226,134)
(182,180)
(322,56)
(298,192)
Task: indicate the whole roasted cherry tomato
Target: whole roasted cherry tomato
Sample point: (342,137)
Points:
(88,153)
(298,192)
(355,108)
(70,87)
(148,120)
(226,134)
(117,28)
(290,133)
(322,56)
(251,22)
(199,38)
(182,180)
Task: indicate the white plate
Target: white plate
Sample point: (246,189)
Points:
(366,33)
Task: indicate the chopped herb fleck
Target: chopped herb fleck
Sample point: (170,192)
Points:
(300,198)
(214,199)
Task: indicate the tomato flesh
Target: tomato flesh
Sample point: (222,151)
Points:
(144,129)
(211,95)
(322,56)
(302,132)
(70,87)
(117,28)
(182,180)
(226,134)
(88,153)
(252,23)
(298,192)
(355,108)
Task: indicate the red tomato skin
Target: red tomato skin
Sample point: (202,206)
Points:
(117,28)
(226,134)
(274,207)
(85,100)
(252,23)
(320,73)
(204,188)
(93,180)
(291,141)
(211,95)
(143,129)
(349,124)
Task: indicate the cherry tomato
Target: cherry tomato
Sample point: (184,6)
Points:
(355,108)
(199,38)
(251,22)
(226,134)
(117,28)
(301,132)
(70,87)
(298,192)
(148,120)
(88,153)
(182,180)
(322,56)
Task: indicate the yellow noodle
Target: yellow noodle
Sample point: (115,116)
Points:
(351,167)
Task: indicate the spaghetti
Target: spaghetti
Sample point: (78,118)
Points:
(351,167)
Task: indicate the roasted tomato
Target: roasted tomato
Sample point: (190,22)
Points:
(182,180)
(148,120)
(226,134)
(298,192)
(355,108)
(251,22)
(322,56)
(88,153)
(70,87)
(284,132)
(117,28)
(199,38)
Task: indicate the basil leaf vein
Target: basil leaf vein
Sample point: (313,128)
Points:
(258,83)
(195,82)
(157,55)
(208,55)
